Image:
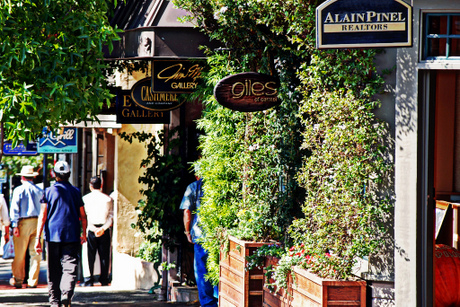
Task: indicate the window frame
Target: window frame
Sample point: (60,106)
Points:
(448,37)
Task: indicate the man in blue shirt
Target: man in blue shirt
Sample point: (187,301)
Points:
(61,212)
(190,204)
(24,211)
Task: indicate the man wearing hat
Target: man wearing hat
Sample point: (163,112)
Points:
(24,211)
(62,209)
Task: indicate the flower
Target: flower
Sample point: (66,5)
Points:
(298,256)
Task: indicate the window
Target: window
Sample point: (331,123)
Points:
(442,37)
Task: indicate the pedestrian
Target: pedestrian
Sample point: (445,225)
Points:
(24,211)
(207,293)
(99,211)
(62,210)
(4,218)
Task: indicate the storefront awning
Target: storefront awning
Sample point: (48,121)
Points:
(159,42)
(105,121)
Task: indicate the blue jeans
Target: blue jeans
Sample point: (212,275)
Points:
(207,293)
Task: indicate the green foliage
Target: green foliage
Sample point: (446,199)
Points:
(15,163)
(343,213)
(256,260)
(309,171)
(51,67)
(163,187)
(150,251)
(166,266)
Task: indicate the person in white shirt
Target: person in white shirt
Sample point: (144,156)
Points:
(4,218)
(99,211)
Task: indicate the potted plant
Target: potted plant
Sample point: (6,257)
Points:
(345,211)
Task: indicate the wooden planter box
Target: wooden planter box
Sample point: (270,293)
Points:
(311,290)
(274,297)
(237,286)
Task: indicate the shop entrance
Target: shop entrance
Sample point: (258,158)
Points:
(443,178)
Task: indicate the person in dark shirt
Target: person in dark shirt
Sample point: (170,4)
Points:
(61,212)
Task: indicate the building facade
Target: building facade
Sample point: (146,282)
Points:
(426,145)
(421,103)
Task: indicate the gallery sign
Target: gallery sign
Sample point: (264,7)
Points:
(145,98)
(248,92)
(363,23)
(129,112)
(64,141)
(170,80)
(176,76)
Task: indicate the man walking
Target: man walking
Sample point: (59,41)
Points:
(24,211)
(190,204)
(61,213)
(99,210)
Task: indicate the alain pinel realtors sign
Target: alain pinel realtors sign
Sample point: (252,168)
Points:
(363,24)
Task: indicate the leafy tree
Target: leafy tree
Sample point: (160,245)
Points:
(51,63)
(249,160)
(322,150)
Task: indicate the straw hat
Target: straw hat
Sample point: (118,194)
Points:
(27,171)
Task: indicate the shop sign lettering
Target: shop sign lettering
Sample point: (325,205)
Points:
(63,141)
(129,112)
(21,149)
(145,98)
(170,81)
(248,92)
(363,23)
(179,75)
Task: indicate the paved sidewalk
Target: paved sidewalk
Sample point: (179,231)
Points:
(84,296)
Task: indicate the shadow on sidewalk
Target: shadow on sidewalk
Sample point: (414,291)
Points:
(84,296)
(5,275)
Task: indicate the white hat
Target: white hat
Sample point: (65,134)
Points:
(61,167)
(27,171)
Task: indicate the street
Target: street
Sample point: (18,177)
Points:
(84,296)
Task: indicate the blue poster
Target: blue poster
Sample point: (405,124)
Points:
(30,149)
(63,142)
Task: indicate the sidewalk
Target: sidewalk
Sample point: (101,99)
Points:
(84,296)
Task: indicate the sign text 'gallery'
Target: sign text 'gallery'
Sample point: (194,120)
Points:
(151,98)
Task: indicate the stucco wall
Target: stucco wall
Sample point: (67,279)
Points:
(128,160)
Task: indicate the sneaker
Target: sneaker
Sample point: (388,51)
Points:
(15,284)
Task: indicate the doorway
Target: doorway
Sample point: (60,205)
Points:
(442,178)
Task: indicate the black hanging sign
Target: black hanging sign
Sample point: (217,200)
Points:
(363,24)
(176,76)
(144,97)
(171,79)
(129,112)
(248,92)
